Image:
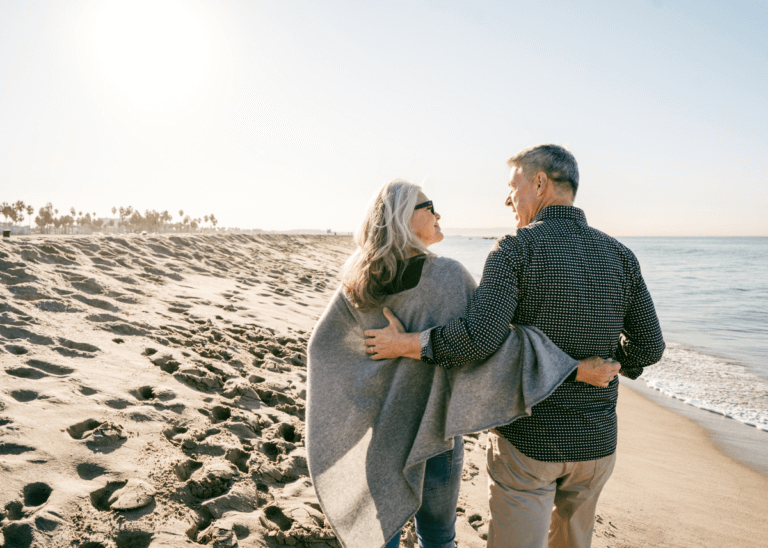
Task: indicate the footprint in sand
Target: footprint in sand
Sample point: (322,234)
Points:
(13,333)
(83,429)
(165,362)
(102,318)
(123,496)
(16,349)
(125,329)
(96,303)
(213,479)
(36,494)
(25,373)
(131,538)
(50,368)
(128,299)
(14,511)
(174,433)
(144,393)
(89,286)
(239,458)
(219,414)
(97,434)
(288,432)
(89,470)
(24,396)
(100,497)
(185,469)
(148,393)
(118,403)
(74,349)
(14,449)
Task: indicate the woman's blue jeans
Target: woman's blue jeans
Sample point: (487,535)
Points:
(436,518)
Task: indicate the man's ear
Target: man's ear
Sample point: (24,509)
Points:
(542,181)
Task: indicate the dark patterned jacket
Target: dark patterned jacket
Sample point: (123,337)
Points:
(584,290)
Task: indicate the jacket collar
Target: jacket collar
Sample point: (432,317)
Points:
(561,212)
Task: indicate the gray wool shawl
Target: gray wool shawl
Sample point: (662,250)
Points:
(371,425)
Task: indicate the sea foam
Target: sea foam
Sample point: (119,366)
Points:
(711,384)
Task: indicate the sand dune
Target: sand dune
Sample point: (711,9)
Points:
(153,389)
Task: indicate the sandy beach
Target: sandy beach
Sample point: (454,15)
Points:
(153,395)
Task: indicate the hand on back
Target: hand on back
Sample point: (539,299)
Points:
(392,341)
(597,371)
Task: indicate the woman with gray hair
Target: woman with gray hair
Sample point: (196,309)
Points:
(384,438)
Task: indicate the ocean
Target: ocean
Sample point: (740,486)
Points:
(711,295)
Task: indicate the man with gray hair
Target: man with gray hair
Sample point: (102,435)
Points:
(585,291)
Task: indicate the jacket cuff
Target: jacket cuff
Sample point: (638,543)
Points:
(425,341)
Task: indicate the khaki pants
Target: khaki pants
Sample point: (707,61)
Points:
(523,491)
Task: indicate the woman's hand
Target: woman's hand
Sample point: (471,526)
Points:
(392,341)
(597,371)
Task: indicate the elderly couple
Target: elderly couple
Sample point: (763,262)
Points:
(531,354)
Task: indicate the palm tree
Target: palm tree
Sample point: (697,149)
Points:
(44,217)
(125,212)
(30,212)
(19,210)
(5,209)
(165,217)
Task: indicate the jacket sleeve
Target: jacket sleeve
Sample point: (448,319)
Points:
(485,324)
(641,341)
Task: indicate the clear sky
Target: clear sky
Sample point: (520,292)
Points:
(290,114)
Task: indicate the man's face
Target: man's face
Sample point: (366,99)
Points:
(522,196)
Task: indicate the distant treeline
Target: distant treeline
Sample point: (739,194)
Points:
(48,220)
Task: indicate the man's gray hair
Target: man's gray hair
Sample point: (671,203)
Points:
(554,160)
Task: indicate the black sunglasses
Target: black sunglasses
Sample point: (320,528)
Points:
(427,204)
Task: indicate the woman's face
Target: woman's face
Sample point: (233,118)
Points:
(425,223)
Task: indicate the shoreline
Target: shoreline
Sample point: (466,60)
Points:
(673,487)
(741,442)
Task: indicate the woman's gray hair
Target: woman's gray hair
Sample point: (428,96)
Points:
(557,162)
(383,238)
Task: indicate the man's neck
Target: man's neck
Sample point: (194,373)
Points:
(553,201)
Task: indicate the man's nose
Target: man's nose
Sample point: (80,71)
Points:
(508,201)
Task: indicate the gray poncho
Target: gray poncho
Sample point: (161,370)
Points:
(371,425)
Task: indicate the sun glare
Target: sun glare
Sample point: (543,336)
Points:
(152,51)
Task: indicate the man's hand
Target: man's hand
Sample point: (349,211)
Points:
(392,341)
(597,371)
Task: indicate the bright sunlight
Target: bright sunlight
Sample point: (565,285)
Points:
(153,52)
